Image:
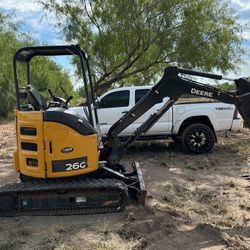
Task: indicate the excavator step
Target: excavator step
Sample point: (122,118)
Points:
(59,197)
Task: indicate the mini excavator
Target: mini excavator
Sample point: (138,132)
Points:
(63,165)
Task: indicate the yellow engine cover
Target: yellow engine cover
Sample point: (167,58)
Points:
(52,150)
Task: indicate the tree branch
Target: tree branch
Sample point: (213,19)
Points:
(107,84)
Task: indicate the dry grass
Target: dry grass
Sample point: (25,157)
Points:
(184,191)
(114,241)
(236,242)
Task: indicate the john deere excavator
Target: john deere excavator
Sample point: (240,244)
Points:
(64,168)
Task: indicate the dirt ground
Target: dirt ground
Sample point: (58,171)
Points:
(193,202)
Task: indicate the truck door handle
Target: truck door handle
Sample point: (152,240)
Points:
(124,112)
(103,123)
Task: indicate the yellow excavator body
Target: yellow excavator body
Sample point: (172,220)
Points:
(61,161)
(51,150)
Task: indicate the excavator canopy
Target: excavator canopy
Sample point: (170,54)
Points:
(27,53)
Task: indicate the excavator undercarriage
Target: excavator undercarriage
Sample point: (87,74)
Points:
(103,191)
(63,197)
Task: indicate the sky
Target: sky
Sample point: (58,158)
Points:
(31,15)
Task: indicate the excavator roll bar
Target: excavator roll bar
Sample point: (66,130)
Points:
(26,54)
(173,85)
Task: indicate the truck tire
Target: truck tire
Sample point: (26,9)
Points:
(198,138)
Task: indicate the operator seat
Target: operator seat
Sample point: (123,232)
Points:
(59,115)
(35,99)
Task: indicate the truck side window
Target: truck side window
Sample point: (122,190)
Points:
(116,99)
(139,93)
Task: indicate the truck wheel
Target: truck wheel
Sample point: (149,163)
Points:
(198,138)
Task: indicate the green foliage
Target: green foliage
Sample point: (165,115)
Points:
(45,73)
(10,39)
(130,42)
(227,86)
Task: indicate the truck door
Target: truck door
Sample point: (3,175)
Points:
(164,125)
(112,107)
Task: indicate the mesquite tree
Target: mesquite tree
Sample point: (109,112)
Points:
(131,41)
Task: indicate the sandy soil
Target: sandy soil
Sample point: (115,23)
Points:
(194,202)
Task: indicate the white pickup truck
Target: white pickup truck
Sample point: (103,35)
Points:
(194,125)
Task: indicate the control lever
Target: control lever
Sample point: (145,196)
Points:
(69,99)
(62,102)
(56,99)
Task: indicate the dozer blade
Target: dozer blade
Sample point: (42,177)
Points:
(133,180)
(63,197)
(140,191)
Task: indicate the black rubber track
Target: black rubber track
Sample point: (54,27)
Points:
(31,189)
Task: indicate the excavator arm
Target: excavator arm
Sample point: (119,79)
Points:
(173,85)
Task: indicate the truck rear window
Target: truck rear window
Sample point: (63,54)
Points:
(116,99)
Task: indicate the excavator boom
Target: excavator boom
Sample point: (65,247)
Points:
(173,85)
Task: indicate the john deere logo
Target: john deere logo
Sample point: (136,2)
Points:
(201,92)
(67,150)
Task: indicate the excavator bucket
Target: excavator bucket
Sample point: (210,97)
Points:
(243,100)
